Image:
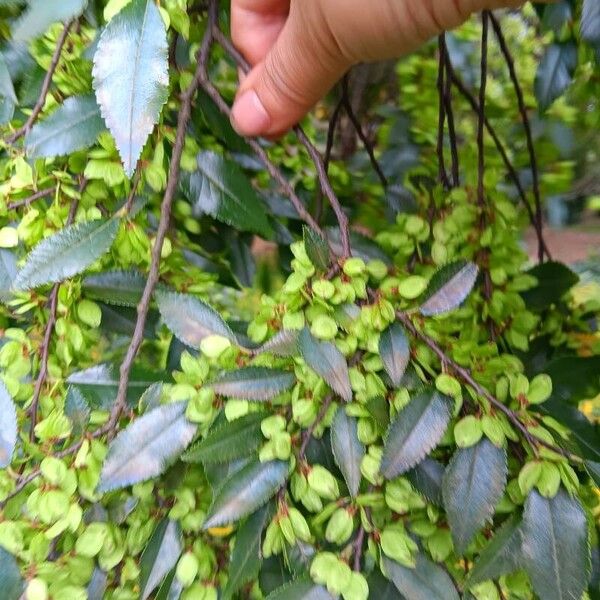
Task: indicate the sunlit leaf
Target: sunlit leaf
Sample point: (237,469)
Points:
(146,447)
(245,491)
(253,383)
(448,288)
(347,449)
(395,352)
(327,361)
(473,485)
(67,253)
(131,77)
(415,431)
(122,288)
(11,582)
(8,426)
(40,14)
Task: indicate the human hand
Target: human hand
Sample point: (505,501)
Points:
(300,48)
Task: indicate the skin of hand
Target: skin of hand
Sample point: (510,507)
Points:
(299,48)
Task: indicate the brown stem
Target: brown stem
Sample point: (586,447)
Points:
(30,199)
(306,437)
(442,174)
(451,125)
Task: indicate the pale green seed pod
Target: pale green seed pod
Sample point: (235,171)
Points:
(540,389)
(187,569)
(340,527)
(354,266)
(37,589)
(357,589)
(299,524)
(272,425)
(323,483)
(285,525)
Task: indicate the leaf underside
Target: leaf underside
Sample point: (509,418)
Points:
(253,383)
(8,426)
(41,14)
(395,352)
(448,288)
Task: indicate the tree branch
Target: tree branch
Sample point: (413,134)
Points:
(30,199)
(441,88)
(307,435)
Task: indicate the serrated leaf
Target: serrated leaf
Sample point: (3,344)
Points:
(78,411)
(11,582)
(245,558)
(317,249)
(284,343)
(395,352)
(427,479)
(427,581)
(253,383)
(300,589)
(132,89)
(555,73)
(160,555)
(590,21)
(245,491)
(448,288)
(8,426)
(146,447)
(8,272)
(190,319)
(555,546)
(73,126)
(327,361)
(415,431)
(121,288)
(472,487)
(40,14)
(228,442)
(7,89)
(220,189)
(67,253)
(347,449)
(501,555)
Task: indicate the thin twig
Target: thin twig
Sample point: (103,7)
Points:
(481,112)
(538,225)
(441,88)
(358,546)
(451,125)
(306,437)
(39,105)
(30,199)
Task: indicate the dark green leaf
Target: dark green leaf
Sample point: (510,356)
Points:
(253,383)
(67,253)
(132,89)
(574,378)
(8,426)
(74,125)
(327,361)
(190,319)
(395,352)
(220,189)
(8,272)
(300,589)
(554,281)
(427,478)
(415,431)
(381,588)
(448,288)
(427,581)
(41,14)
(97,585)
(472,487)
(170,588)
(227,442)
(78,411)
(160,555)
(362,246)
(501,555)
(11,582)
(245,491)
(555,73)
(284,343)
(146,447)
(593,469)
(6,85)
(245,558)
(347,449)
(590,21)
(556,551)
(317,249)
(378,408)
(122,320)
(556,16)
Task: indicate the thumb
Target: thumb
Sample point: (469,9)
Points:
(300,68)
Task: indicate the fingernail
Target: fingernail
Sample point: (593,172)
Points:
(248,115)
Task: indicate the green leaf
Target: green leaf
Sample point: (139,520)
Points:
(121,288)
(501,555)
(555,73)
(245,558)
(67,253)
(7,89)
(284,343)
(131,77)
(11,582)
(347,449)
(225,443)
(245,491)
(574,378)
(427,581)
(146,447)
(78,411)
(253,383)
(427,478)
(74,125)
(97,585)
(190,319)
(317,249)
(300,589)
(381,588)
(448,288)
(415,431)
(8,272)
(8,426)
(395,352)
(220,189)
(555,546)
(40,14)
(472,487)
(170,588)
(327,361)
(160,555)
(590,22)
(554,281)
